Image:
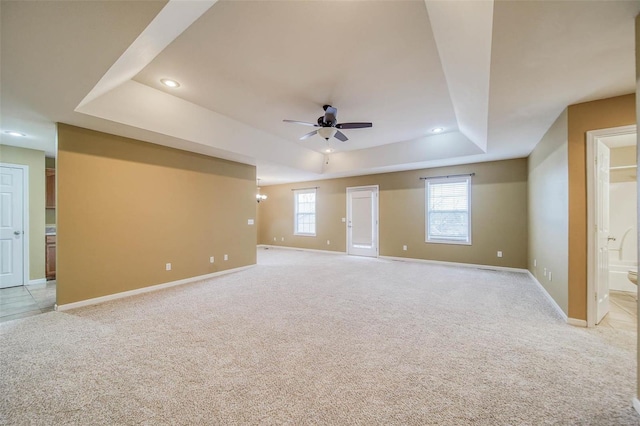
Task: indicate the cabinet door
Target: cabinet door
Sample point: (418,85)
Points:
(51,188)
(50,264)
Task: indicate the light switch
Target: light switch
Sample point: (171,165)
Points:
(250,222)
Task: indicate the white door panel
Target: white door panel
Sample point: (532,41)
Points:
(362,221)
(602,223)
(11,227)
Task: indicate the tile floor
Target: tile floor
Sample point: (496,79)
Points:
(623,311)
(24,301)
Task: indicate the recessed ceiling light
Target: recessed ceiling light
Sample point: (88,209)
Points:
(170,83)
(328,150)
(437,130)
(14,133)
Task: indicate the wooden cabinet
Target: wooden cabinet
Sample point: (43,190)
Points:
(50,264)
(51,188)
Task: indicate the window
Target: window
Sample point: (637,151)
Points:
(305,211)
(448,218)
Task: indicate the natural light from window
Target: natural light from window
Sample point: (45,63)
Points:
(305,212)
(448,210)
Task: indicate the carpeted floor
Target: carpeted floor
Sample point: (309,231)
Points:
(309,338)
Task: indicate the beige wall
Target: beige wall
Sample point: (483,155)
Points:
(125,208)
(602,114)
(499,214)
(549,212)
(35,160)
(623,156)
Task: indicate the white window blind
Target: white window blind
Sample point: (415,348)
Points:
(305,211)
(448,210)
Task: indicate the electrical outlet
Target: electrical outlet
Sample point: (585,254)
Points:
(535,262)
(344,219)
(275,239)
(226,257)
(328,242)
(545,272)
(167,267)
(404,248)
(549,275)
(499,253)
(282,238)
(211,259)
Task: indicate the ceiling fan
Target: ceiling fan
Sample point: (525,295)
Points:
(328,125)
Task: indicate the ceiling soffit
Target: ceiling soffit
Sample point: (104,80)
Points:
(462,30)
(420,68)
(374,61)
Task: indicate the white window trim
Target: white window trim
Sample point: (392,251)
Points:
(295,211)
(426,211)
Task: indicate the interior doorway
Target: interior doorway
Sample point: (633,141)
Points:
(362,221)
(14,208)
(612,224)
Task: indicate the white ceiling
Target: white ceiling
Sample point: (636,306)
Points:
(495,75)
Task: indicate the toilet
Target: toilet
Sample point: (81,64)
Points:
(633,277)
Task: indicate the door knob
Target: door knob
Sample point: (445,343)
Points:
(17,232)
(611,238)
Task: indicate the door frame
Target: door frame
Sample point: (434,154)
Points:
(377,214)
(592,241)
(25,218)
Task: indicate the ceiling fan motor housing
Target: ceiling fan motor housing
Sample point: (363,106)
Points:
(328,125)
(323,122)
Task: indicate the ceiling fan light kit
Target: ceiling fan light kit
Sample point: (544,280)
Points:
(328,125)
(327,132)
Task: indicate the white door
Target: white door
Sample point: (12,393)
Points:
(362,221)
(11,227)
(602,230)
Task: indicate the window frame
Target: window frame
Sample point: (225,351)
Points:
(297,192)
(427,188)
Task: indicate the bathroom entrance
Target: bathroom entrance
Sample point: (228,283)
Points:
(612,224)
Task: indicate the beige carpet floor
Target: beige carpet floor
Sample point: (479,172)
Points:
(309,338)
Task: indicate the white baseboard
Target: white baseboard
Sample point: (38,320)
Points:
(552,300)
(464,265)
(102,299)
(38,281)
(636,404)
(301,249)
(576,322)
(404,259)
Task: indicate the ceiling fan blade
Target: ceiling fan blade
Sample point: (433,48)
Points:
(308,135)
(304,123)
(341,136)
(353,125)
